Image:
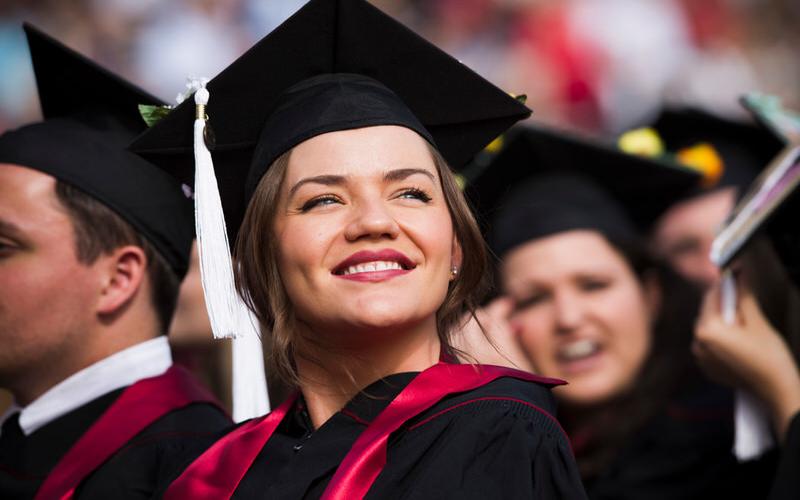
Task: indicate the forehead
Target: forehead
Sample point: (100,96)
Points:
(360,152)
(700,215)
(561,255)
(27,196)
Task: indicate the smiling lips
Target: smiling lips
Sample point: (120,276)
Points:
(579,356)
(374,266)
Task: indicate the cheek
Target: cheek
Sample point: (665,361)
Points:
(433,234)
(628,319)
(42,300)
(302,249)
(536,336)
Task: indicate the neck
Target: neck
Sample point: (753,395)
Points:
(81,351)
(330,377)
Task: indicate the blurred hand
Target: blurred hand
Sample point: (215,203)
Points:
(500,345)
(748,354)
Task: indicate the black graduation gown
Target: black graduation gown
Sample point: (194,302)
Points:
(787,479)
(470,445)
(133,472)
(684,452)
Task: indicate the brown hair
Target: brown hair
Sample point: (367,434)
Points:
(99,231)
(258,278)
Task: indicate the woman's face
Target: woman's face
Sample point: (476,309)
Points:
(365,238)
(582,314)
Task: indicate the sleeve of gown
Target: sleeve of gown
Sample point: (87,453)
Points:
(489,449)
(524,456)
(787,479)
(139,468)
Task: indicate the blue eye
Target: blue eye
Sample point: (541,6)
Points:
(322,200)
(416,194)
(5,248)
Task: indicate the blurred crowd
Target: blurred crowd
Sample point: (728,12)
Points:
(601,66)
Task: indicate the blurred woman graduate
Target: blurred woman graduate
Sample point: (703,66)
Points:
(589,304)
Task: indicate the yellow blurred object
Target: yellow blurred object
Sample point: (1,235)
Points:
(495,146)
(705,159)
(642,141)
(461,181)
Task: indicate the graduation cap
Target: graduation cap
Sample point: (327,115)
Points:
(333,65)
(547,181)
(744,148)
(90,115)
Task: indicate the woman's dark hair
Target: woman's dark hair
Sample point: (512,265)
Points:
(600,432)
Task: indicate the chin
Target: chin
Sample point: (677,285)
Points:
(583,393)
(383,319)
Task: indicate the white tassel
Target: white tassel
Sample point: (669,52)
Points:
(229,315)
(250,396)
(752,436)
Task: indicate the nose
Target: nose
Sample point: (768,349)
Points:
(569,312)
(371,220)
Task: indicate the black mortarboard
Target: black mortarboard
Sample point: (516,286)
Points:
(744,147)
(547,181)
(334,65)
(90,115)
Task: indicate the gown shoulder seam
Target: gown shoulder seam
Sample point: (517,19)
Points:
(483,399)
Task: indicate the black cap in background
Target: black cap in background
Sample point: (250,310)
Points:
(744,147)
(547,181)
(333,65)
(90,115)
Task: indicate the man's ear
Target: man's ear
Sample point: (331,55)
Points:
(123,272)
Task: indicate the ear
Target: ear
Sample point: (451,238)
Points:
(653,296)
(456,256)
(124,271)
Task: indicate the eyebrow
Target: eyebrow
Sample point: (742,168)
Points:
(334,180)
(403,173)
(328,180)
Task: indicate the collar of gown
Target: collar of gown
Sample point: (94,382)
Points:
(366,405)
(144,360)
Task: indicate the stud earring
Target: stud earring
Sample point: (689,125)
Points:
(453,272)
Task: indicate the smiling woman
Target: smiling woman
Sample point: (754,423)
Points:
(358,254)
(370,225)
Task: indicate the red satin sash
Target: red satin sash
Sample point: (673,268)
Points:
(367,457)
(218,472)
(136,408)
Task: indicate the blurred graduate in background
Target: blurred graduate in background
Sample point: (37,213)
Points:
(94,242)
(587,301)
(729,154)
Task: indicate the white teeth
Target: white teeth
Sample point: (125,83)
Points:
(371,267)
(578,349)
